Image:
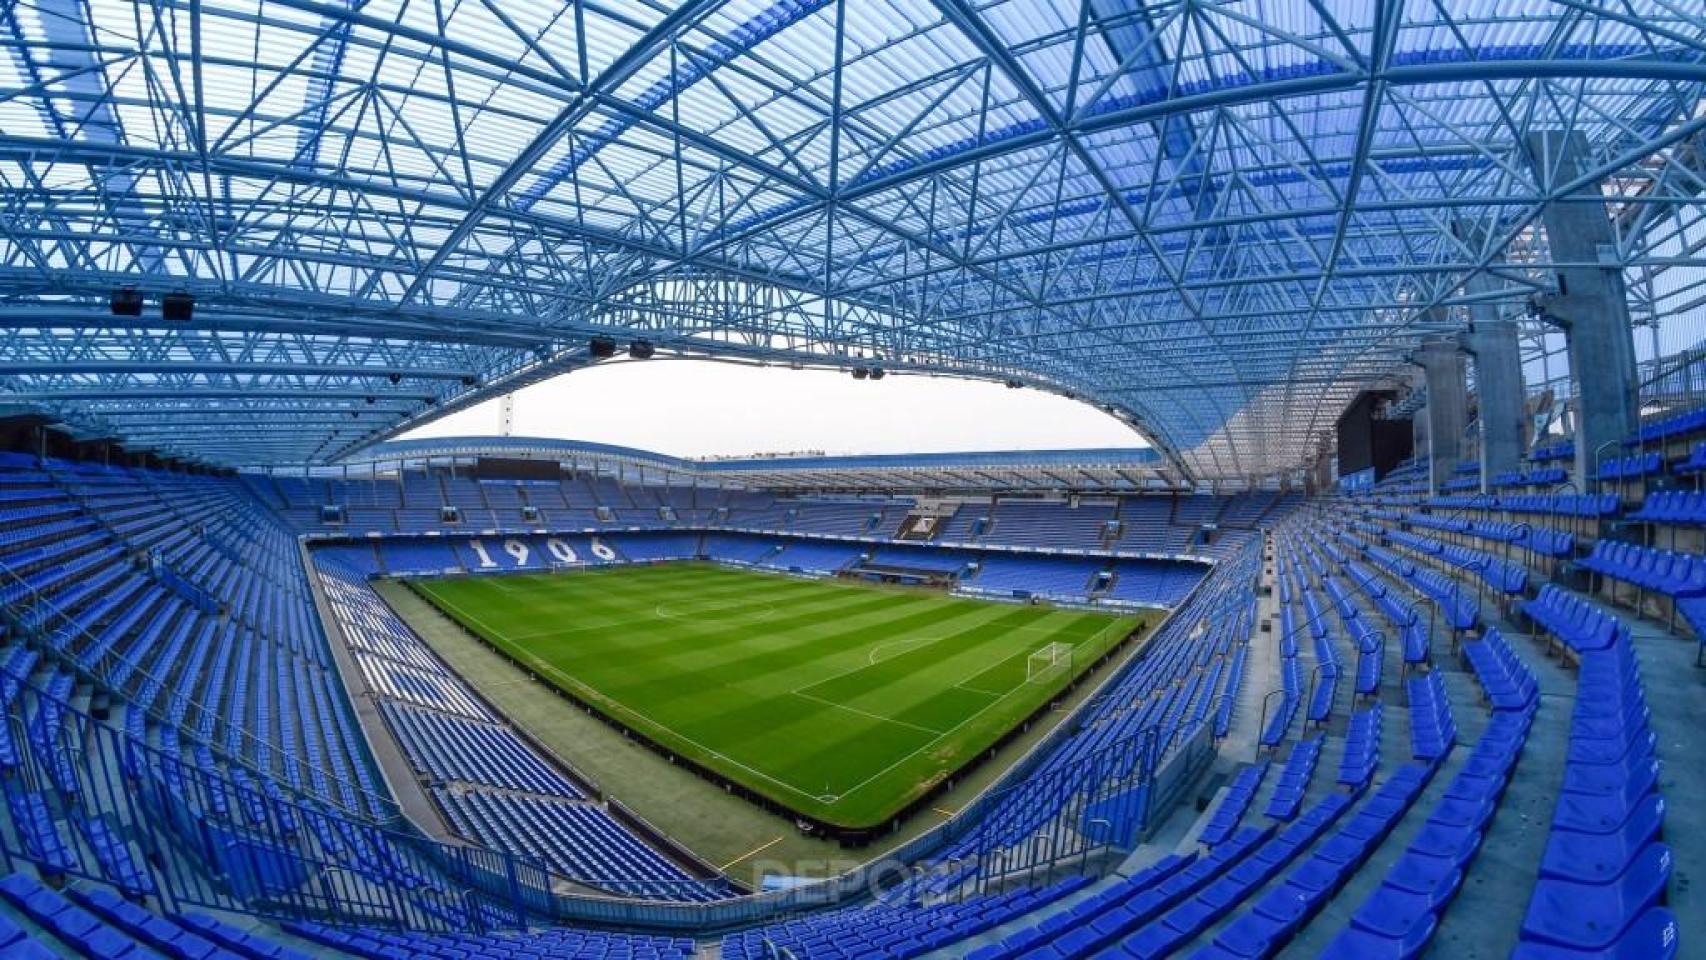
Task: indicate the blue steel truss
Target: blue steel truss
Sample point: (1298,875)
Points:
(1217,219)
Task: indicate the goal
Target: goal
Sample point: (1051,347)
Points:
(1048,662)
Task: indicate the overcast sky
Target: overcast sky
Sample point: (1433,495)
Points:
(694,408)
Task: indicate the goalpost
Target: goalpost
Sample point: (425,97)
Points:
(1048,662)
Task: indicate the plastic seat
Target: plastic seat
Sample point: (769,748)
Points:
(1586,916)
(1315,878)
(1639,767)
(1653,936)
(1600,858)
(1395,912)
(1355,943)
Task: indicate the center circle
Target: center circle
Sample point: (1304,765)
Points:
(715,610)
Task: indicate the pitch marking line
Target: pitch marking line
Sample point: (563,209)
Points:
(599,697)
(549,668)
(910,643)
(988,693)
(865,713)
(747,612)
(959,726)
(883,772)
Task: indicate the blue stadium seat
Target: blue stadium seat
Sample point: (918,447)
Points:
(1576,623)
(1236,800)
(1432,730)
(1507,682)
(1652,936)
(1595,916)
(1674,425)
(1399,917)
(1294,779)
(1674,507)
(1696,461)
(1630,468)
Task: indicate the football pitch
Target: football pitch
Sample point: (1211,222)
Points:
(841,701)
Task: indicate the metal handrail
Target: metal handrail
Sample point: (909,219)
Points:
(1599,465)
(101,670)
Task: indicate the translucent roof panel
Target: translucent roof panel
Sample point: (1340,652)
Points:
(1218,220)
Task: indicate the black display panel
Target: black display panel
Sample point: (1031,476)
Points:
(1366,440)
(508,468)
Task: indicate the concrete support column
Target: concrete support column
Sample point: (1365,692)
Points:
(1447,413)
(1492,344)
(1322,473)
(1419,433)
(1591,305)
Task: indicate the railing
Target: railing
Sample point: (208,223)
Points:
(232,839)
(1679,378)
(202,838)
(177,583)
(1676,381)
(123,676)
(1068,817)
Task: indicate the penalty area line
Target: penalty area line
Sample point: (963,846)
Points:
(866,713)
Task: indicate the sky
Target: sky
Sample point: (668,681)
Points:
(696,408)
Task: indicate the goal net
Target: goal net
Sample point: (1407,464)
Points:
(1047,663)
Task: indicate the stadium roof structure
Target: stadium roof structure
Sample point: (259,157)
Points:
(1218,220)
(1098,470)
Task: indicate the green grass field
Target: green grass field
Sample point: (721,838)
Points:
(840,701)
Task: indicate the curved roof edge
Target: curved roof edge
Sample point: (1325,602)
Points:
(538,447)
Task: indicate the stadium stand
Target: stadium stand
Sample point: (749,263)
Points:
(1052,577)
(161,584)
(491,784)
(451,736)
(1379,634)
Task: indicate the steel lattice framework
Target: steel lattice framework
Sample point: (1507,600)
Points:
(1218,219)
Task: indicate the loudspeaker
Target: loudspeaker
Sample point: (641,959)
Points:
(177,307)
(641,350)
(126,302)
(601,348)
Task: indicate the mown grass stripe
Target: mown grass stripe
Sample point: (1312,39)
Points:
(896,688)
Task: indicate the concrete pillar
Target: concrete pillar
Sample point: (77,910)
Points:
(1447,413)
(1492,344)
(1590,305)
(1322,473)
